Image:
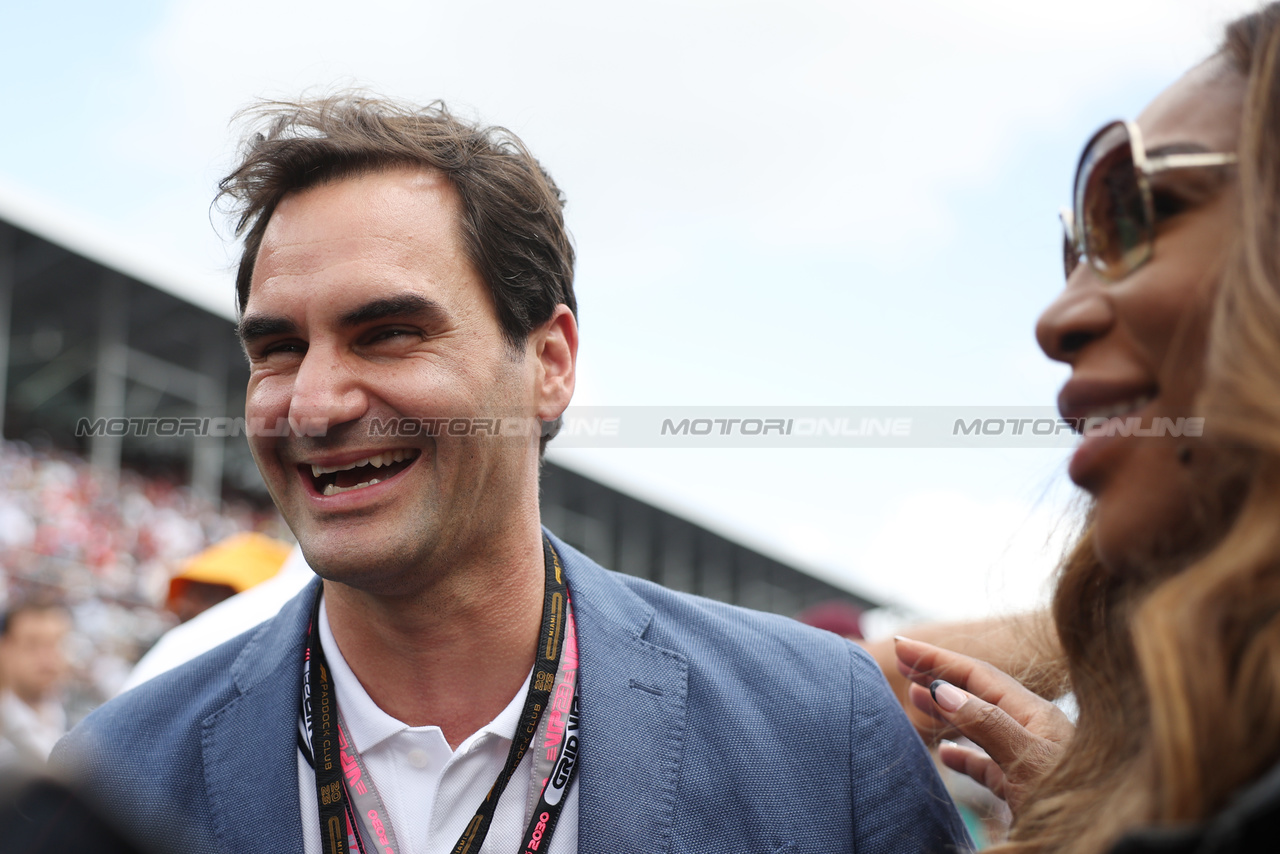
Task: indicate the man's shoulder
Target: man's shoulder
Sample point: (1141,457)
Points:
(168,755)
(174,700)
(699,696)
(728,636)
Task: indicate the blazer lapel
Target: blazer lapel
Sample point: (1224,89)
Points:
(250,746)
(632,716)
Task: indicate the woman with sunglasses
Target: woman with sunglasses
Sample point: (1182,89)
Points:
(1168,609)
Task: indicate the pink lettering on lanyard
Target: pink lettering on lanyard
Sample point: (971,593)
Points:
(355,774)
(562,701)
(349,764)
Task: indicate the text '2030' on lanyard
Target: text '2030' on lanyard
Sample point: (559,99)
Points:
(345,791)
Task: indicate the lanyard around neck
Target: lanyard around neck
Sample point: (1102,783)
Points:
(345,794)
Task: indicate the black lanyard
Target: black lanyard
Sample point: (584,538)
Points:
(339,827)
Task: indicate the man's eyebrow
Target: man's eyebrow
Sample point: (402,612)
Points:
(401,305)
(258,326)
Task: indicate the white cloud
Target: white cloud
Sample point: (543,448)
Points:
(815,124)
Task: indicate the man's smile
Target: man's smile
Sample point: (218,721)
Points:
(336,478)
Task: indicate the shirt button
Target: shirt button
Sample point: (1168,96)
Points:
(417,758)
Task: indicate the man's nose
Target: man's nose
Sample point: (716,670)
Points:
(326,392)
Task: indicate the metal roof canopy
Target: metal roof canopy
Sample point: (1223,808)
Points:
(88,331)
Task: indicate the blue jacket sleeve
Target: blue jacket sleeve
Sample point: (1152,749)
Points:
(899,802)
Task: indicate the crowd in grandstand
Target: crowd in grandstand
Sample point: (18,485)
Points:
(107,552)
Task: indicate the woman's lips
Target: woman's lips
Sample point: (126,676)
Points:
(1083,399)
(1104,429)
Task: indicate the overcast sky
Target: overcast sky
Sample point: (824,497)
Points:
(812,203)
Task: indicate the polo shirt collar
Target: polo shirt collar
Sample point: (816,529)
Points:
(368,725)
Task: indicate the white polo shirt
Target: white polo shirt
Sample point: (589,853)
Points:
(430,791)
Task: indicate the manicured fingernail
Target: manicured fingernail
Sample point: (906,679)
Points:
(946,695)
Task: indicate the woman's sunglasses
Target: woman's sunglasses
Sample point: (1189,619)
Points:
(1113,225)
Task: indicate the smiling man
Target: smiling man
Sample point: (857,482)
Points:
(403,271)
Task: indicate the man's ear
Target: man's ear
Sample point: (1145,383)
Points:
(555,346)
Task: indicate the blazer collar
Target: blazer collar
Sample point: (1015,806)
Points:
(632,715)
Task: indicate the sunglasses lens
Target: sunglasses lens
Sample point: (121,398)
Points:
(1111,212)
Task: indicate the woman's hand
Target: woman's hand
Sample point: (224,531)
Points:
(1023,734)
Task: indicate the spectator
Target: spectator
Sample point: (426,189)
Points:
(223,570)
(34,664)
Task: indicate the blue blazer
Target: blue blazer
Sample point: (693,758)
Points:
(705,728)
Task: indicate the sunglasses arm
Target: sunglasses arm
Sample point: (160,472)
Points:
(1068,223)
(1187,161)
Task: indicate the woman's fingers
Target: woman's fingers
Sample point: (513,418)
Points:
(1023,734)
(985,724)
(975,765)
(1016,757)
(925,664)
(921,699)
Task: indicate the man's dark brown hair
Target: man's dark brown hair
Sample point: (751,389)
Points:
(511,222)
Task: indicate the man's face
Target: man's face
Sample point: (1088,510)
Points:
(34,658)
(364,309)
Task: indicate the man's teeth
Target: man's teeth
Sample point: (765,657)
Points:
(1116,410)
(334,489)
(377,461)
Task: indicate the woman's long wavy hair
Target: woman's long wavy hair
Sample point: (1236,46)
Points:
(1177,673)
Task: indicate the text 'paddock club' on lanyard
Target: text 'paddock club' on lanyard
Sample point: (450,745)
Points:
(344,788)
